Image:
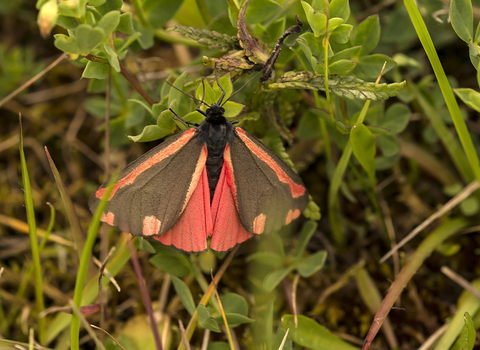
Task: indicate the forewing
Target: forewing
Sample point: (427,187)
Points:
(153,191)
(268,193)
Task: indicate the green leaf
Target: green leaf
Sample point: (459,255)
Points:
(469,96)
(150,133)
(110,5)
(466,339)
(363,146)
(171,261)
(109,22)
(278,339)
(166,123)
(206,320)
(352,53)
(268,321)
(177,100)
(184,294)
(461,16)
(340,8)
(309,126)
(268,258)
(129,41)
(77,10)
(112,57)
(146,40)
(66,22)
(96,3)
(308,229)
(316,20)
(88,37)
(66,43)
(372,65)
(261,10)
(319,5)
(217,345)
(274,278)
(341,34)
(469,206)
(145,245)
(234,319)
(311,264)
(342,67)
(159,12)
(396,118)
(311,46)
(333,23)
(388,144)
(448,248)
(232,109)
(143,104)
(348,87)
(194,117)
(125,24)
(234,304)
(312,335)
(368,34)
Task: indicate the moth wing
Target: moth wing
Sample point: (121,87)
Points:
(267,192)
(153,191)
(228,231)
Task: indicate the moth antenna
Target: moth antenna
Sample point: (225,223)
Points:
(180,119)
(190,96)
(220,87)
(203,97)
(241,88)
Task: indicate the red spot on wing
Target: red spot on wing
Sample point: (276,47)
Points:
(227,228)
(259,224)
(166,152)
(194,226)
(296,189)
(151,226)
(107,218)
(292,215)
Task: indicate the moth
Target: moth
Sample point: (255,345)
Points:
(214,181)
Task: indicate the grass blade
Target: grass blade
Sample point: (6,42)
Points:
(32,228)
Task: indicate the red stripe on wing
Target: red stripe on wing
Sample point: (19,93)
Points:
(195,225)
(227,228)
(155,159)
(296,189)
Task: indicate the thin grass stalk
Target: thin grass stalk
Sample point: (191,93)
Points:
(119,259)
(32,228)
(84,262)
(147,303)
(337,179)
(424,250)
(447,137)
(33,80)
(445,87)
(29,270)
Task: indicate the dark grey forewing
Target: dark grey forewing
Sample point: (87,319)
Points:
(259,190)
(158,191)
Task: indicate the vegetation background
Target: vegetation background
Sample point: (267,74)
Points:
(323,280)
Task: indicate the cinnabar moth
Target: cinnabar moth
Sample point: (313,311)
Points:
(214,180)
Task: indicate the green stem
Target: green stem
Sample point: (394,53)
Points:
(32,229)
(425,249)
(83,266)
(445,87)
